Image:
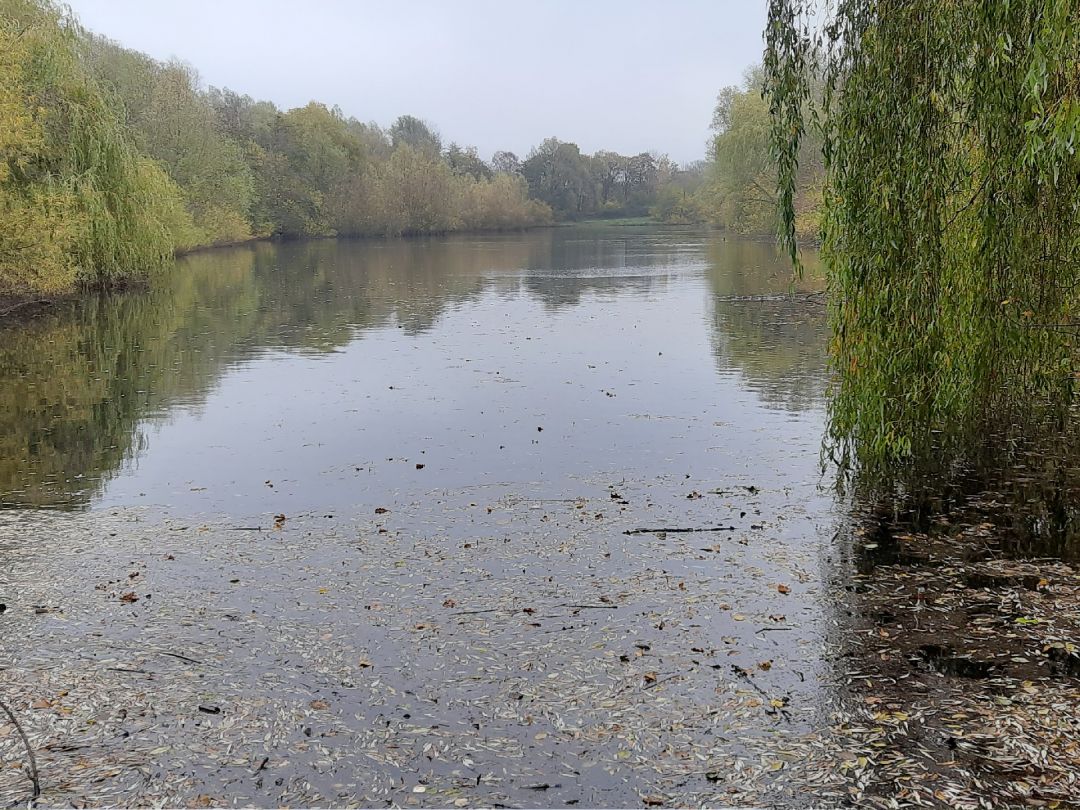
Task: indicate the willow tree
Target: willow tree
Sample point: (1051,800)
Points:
(951,226)
(78,203)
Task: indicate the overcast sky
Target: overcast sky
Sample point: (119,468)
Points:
(626,75)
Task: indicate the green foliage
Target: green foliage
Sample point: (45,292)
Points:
(467,161)
(952,212)
(741,194)
(408,130)
(415,192)
(79,203)
(676,206)
(174,124)
(681,198)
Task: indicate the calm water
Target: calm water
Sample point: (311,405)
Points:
(534,412)
(316,377)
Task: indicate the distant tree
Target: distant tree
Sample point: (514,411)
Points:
(640,178)
(185,130)
(558,174)
(679,198)
(506,163)
(467,161)
(408,129)
(741,194)
(374,140)
(110,161)
(609,170)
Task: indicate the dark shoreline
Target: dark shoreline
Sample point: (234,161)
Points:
(15,307)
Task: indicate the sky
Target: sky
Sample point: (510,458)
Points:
(625,75)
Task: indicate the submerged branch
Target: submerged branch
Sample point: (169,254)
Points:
(29,751)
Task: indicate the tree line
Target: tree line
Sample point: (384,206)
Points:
(111,161)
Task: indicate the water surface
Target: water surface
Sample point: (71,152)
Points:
(315,377)
(406,522)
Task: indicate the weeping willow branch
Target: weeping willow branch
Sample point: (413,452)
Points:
(952,191)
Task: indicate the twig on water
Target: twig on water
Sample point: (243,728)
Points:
(681,531)
(590,607)
(182,657)
(29,751)
(665,680)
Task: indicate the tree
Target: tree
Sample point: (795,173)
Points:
(408,129)
(609,172)
(177,125)
(558,175)
(951,229)
(741,194)
(679,199)
(506,163)
(111,161)
(79,203)
(467,161)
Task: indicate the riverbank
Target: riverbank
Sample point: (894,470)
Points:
(29,304)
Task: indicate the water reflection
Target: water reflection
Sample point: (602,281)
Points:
(566,319)
(769,326)
(78,380)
